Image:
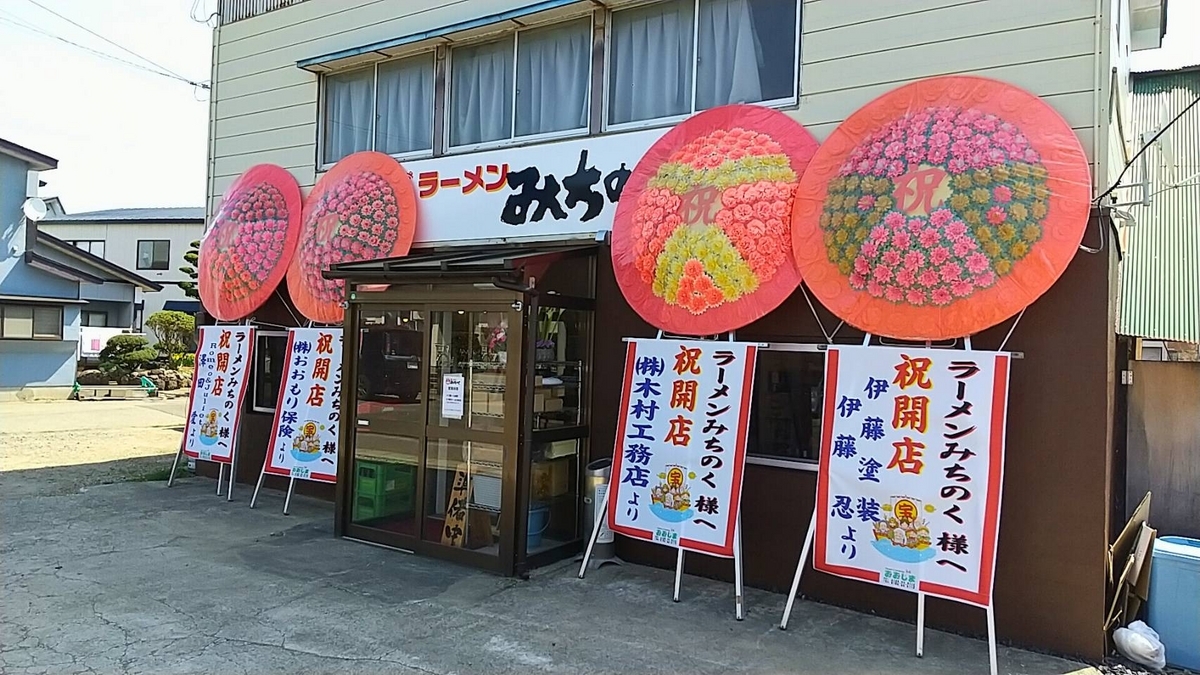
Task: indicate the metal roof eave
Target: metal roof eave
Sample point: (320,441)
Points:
(96,261)
(471,264)
(375,50)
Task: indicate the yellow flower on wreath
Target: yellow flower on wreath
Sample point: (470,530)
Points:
(1006,232)
(1003,266)
(1019,249)
(1032,233)
(991,248)
(962,182)
(981,196)
(959,202)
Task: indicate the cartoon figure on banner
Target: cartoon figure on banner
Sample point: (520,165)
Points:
(671,500)
(904,534)
(307,446)
(209,429)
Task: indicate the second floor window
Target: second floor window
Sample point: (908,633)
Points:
(387,108)
(673,58)
(153,254)
(540,85)
(93,246)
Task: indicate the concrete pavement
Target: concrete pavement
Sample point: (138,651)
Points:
(138,578)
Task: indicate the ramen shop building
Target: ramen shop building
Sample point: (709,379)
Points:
(520,123)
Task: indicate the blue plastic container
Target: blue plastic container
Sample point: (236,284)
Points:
(539,520)
(1173,609)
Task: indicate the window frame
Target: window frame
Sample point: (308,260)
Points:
(792,101)
(513,139)
(33,334)
(797,464)
(90,243)
(253,398)
(166,264)
(83,314)
(430,51)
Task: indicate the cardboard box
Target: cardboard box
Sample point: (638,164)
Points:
(479,402)
(539,402)
(552,405)
(495,405)
(550,479)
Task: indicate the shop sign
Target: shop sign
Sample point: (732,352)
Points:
(912,460)
(555,189)
(681,443)
(453,387)
(304,440)
(223,364)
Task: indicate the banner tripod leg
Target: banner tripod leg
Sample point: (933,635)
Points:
(920,624)
(587,556)
(220,476)
(804,551)
(678,573)
(258,486)
(287,501)
(991,624)
(233,460)
(738,589)
(175,465)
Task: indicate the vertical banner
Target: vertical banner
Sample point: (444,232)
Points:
(223,367)
(912,462)
(304,440)
(681,443)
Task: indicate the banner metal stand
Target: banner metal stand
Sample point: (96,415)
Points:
(806,551)
(738,590)
(262,474)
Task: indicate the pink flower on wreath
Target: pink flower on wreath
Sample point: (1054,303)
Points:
(902,240)
(986,123)
(861,266)
(941,296)
(894,149)
(960,148)
(879,234)
(866,202)
(951,271)
(939,139)
(939,255)
(894,220)
(916,298)
(956,230)
(977,263)
(905,277)
(882,273)
(914,260)
(961,289)
(857,280)
(981,142)
(962,133)
(956,166)
(928,278)
(874,289)
(896,169)
(894,294)
(936,155)
(929,237)
(996,215)
(869,249)
(891,258)
(986,279)
(940,217)
(964,246)
(915,225)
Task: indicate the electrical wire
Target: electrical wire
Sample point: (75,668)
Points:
(157,67)
(1138,154)
(95,52)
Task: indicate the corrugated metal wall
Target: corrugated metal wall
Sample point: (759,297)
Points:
(1160,274)
(236,10)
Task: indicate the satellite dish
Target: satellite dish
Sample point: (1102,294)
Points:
(34,209)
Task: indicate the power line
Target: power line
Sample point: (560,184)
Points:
(161,69)
(1143,149)
(85,48)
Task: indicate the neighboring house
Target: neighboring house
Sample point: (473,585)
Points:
(49,289)
(150,241)
(1160,273)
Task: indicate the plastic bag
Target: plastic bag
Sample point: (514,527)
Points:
(1140,644)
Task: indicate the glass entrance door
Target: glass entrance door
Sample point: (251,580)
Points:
(434,462)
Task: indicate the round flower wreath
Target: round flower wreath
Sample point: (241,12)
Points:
(934,206)
(713,223)
(356,218)
(247,241)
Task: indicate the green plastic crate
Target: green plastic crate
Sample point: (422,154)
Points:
(367,507)
(379,479)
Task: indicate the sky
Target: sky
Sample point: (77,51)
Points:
(125,137)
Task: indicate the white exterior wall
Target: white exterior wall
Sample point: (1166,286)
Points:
(265,109)
(120,247)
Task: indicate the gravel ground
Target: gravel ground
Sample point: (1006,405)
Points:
(60,447)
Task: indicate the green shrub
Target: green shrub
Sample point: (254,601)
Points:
(127,353)
(174,331)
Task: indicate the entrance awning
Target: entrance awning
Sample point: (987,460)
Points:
(512,263)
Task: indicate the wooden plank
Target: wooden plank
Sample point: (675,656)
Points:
(277,76)
(265,101)
(939,25)
(265,141)
(828,14)
(297,156)
(1041,45)
(1076,108)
